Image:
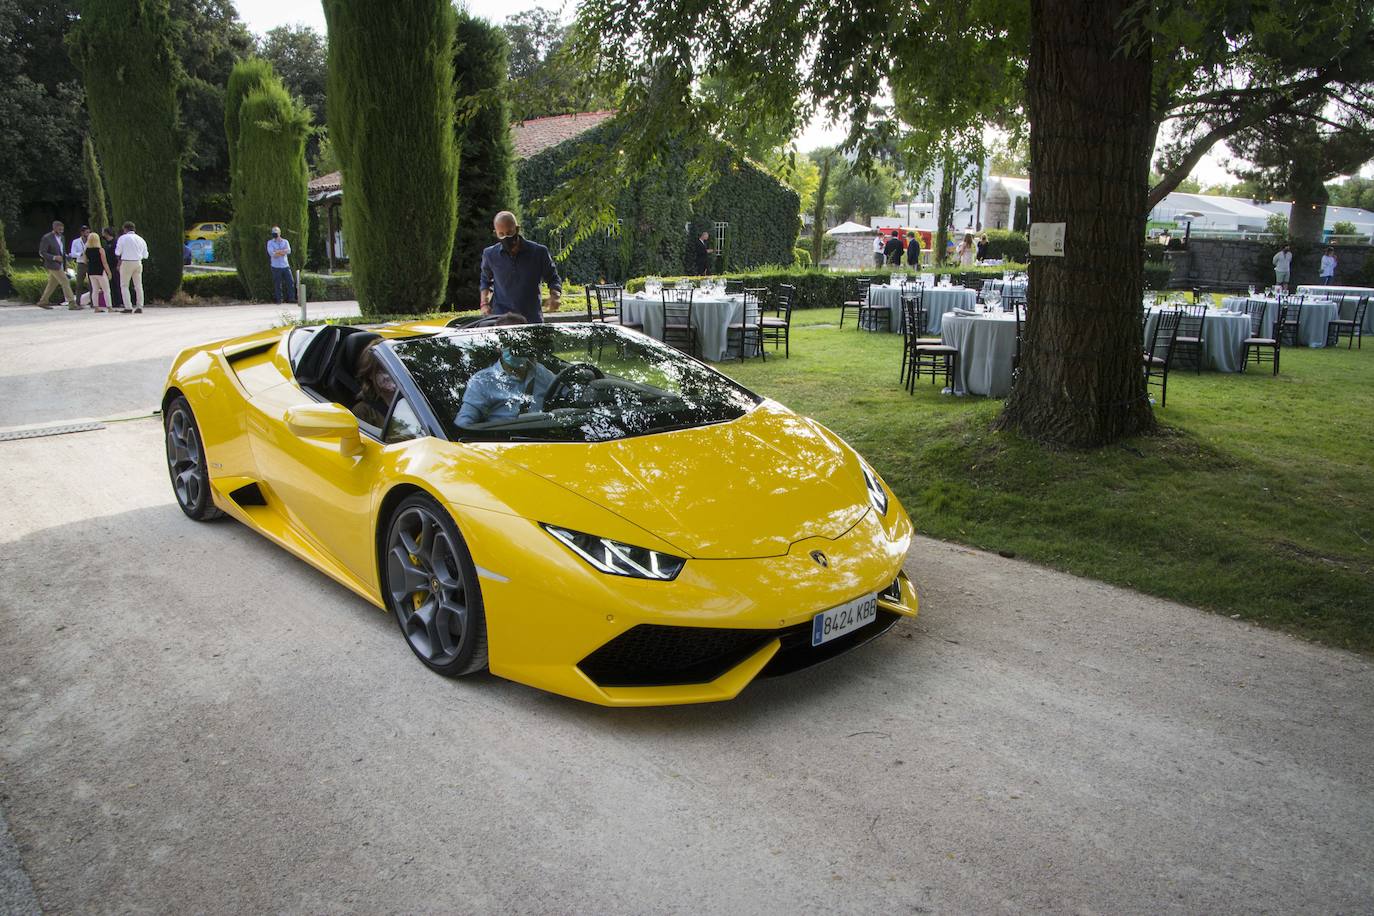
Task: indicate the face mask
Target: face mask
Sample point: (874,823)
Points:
(276,235)
(510,241)
(516,364)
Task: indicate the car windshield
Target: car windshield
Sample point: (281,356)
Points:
(568,383)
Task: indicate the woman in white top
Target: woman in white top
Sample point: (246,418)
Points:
(967,251)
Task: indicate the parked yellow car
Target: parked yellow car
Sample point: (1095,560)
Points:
(210,231)
(625,526)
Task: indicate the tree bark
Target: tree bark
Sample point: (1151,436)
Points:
(818,216)
(948,177)
(1080,383)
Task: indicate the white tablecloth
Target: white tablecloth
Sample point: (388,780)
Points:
(1347,297)
(1223,338)
(986,345)
(937,301)
(1316,315)
(711,316)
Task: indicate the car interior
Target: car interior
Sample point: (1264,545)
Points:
(328,366)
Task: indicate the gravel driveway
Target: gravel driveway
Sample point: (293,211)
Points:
(193,721)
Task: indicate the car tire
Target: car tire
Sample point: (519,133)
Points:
(186,462)
(429,583)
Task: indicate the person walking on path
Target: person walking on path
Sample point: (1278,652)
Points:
(77,253)
(879,241)
(132,251)
(1328,270)
(52,250)
(1283,266)
(512,270)
(97,272)
(278,250)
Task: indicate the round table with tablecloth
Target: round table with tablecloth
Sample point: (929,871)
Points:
(1223,337)
(711,316)
(986,345)
(1316,315)
(937,300)
(1347,297)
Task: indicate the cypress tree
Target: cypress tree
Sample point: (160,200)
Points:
(271,182)
(248,74)
(486,157)
(97,212)
(393,133)
(125,52)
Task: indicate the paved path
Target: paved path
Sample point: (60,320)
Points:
(191,720)
(60,365)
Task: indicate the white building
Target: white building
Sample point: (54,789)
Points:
(1363,219)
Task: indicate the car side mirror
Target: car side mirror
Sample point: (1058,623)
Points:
(326,421)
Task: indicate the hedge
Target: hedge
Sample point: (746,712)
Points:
(224,285)
(1007,245)
(486,156)
(824,289)
(124,48)
(764,216)
(391,106)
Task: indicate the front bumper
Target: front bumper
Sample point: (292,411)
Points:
(556,624)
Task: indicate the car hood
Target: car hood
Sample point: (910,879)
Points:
(747,488)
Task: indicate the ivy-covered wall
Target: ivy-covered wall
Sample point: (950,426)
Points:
(658,217)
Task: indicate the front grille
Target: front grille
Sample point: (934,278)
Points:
(650,655)
(661,656)
(797,652)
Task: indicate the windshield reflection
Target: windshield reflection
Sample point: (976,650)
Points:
(565,383)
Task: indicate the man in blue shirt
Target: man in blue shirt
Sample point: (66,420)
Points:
(512,270)
(507,388)
(278,249)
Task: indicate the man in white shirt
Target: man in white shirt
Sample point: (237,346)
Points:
(77,253)
(878,242)
(1328,271)
(1283,266)
(131,251)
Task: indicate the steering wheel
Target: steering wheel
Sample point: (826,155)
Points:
(561,380)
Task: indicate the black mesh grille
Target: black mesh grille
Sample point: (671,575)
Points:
(660,656)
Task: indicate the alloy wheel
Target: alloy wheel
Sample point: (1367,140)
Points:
(425,586)
(185,458)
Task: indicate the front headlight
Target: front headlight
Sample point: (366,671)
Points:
(616,558)
(876,494)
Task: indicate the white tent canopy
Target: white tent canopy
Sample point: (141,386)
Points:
(851,228)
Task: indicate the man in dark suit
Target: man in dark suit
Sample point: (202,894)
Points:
(701,255)
(51,248)
(892,251)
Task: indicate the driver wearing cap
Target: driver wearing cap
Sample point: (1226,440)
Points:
(509,387)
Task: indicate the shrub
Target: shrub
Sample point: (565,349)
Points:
(320,288)
(486,158)
(271,183)
(1008,245)
(1344,227)
(1020,221)
(28,283)
(801,258)
(248,74)
(224,248)
(1154,253)
(394,137)
(133,112)
(1277,225)
(213,285)
(4,253)
(97,213)
(1157,275)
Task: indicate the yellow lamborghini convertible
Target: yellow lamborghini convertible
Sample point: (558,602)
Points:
(575,507)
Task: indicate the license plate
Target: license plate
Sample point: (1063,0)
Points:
(846,618)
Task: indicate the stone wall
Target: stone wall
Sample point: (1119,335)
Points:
(1235,264)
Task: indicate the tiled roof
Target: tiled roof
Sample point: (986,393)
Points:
(538,134)
(331,182)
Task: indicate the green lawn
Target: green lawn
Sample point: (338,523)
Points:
(1255,499)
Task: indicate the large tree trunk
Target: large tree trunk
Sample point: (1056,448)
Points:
(1080,383)
(1307,219)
